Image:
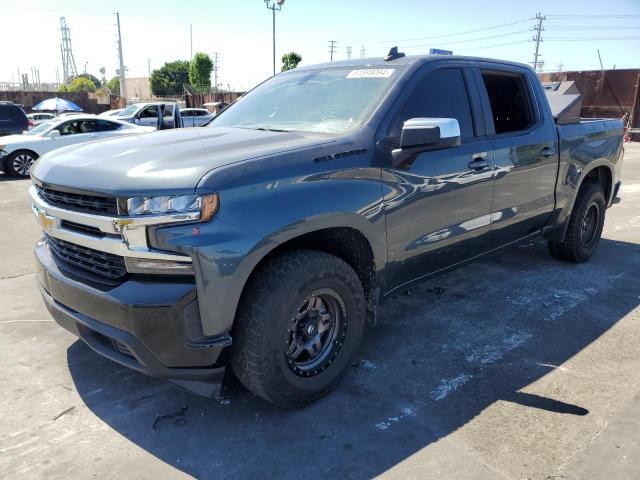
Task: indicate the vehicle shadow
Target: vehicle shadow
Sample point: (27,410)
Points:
(437,358)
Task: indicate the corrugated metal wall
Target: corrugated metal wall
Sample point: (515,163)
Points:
(605,95)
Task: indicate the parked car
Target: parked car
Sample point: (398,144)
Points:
(111,113)
(265,240)
(18,152)
(12,119)
(194,117)
(146,114)
(38,118)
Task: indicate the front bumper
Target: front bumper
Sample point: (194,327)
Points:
(148,325)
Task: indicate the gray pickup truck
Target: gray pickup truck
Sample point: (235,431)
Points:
(264,241)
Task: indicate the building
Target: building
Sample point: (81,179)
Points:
(138,88)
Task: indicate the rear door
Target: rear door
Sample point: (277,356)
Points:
(524,142)
(438,209)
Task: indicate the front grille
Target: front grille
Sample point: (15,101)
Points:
(79,202)
(101,263)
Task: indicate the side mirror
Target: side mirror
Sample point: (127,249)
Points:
(423,134)
(54,134)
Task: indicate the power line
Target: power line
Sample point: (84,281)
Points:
(456,42)
(457,33)
(580,17)
(587,39)
(494,46)
(602,27)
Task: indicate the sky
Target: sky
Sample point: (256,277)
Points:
(241,32)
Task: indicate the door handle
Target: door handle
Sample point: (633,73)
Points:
(479,163)
(547,152)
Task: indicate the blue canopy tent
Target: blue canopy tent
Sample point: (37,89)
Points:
(58,105)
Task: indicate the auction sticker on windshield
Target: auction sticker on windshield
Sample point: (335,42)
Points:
(371,73)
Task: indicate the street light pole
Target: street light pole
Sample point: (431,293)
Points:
(274,6)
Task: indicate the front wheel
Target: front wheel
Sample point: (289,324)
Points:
(298,326)
(585,226)
(19,163)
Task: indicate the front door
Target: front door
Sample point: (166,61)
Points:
(438,209)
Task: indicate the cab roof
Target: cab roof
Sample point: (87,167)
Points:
(404,61)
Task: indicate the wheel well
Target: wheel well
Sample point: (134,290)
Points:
(601,175)
(346,243)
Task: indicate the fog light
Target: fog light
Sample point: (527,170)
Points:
(157,267)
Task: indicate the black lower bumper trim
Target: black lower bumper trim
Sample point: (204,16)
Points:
(111,342)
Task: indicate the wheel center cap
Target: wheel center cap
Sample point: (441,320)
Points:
(311,329)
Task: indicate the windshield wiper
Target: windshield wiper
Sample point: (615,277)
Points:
(271,129)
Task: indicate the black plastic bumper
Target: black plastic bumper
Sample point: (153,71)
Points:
(140,325)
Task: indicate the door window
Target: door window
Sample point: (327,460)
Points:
(150,112)
(509,100)
(441,94)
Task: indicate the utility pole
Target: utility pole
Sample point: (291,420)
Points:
(332,48)
(215,75)
(538,29)
(122,68)
(274,6)
(349,53)
(149,67)
(362,51)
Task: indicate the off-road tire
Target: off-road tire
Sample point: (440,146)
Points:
(272,298)
(573,248)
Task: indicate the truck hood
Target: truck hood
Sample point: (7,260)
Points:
(165,162)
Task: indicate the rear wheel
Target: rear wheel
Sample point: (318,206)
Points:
(585,226)
(298,327)
(19,163)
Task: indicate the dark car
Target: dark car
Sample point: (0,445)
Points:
(13,120)
(265,240)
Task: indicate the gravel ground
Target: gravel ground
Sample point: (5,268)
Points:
(517,367)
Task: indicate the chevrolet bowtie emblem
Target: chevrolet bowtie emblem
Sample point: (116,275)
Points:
(45,221)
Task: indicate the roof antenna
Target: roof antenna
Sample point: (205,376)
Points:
(393,54)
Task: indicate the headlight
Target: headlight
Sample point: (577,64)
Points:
(206,205)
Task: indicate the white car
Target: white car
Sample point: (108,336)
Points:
(18,152)
(38,118)
(194,117)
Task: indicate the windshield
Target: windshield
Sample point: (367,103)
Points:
(335,100)
(43,127)
(130,110)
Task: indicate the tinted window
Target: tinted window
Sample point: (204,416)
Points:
(441,94)
(12,112)
(106,126)
(168,111)
(509,99)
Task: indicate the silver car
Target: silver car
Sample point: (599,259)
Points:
(194,117)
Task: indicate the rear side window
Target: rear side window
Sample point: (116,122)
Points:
(441,94)
(106,126)
(509,100)
(12,112)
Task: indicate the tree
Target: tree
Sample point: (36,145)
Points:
(114,85)
(88,76)
(169,79)
(200,72)
(290,60)
(81,85)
